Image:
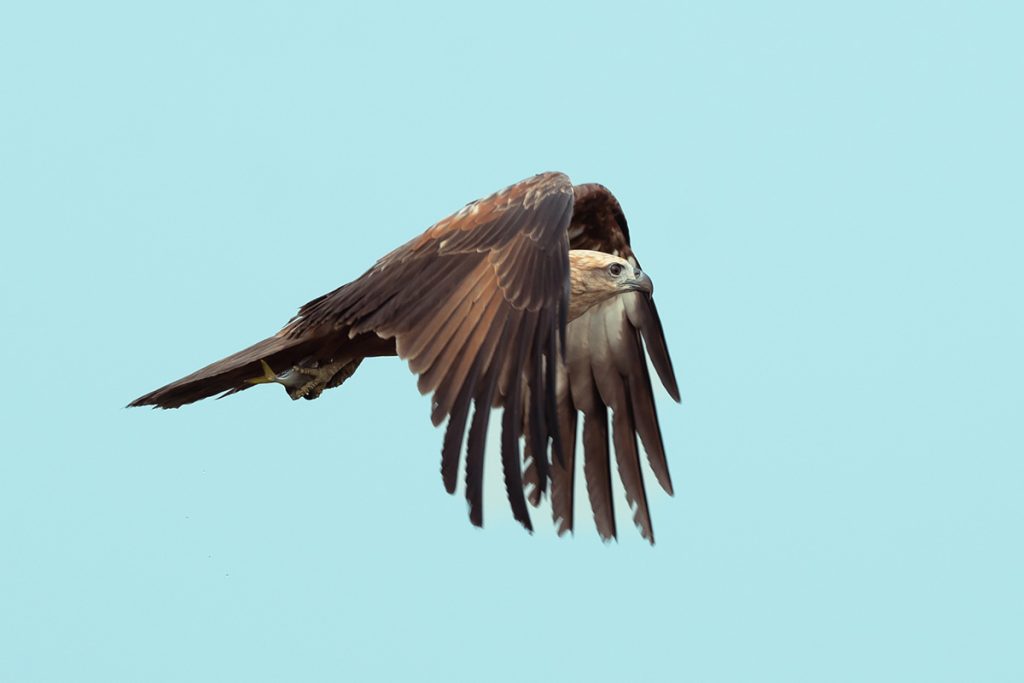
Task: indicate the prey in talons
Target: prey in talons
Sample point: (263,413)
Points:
(308,381)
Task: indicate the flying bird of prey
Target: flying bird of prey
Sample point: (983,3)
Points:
(530,300)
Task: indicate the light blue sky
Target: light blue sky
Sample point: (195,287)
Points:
(828,199)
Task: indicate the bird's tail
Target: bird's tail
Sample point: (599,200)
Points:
(235,373)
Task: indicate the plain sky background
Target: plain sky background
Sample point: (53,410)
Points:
(828,198)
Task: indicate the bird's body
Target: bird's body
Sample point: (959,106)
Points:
(530,299)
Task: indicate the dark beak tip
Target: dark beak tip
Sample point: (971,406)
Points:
(644,284)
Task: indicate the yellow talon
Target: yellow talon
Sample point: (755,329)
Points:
(268,375)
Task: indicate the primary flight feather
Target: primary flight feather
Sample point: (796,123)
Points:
(530,300)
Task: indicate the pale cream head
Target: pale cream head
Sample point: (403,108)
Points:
(595,276)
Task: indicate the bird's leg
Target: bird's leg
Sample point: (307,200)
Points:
(309,379)
(319,378)
(346,371)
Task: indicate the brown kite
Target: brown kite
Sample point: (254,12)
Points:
(530,299)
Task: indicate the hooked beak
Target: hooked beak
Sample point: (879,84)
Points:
(641,283)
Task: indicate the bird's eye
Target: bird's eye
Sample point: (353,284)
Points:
(615,269)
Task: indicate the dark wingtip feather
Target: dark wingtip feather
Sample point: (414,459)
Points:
(654,337)
(510,461)
(597,471)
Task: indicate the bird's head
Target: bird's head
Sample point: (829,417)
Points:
(595,276)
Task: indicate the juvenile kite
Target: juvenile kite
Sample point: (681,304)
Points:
(530,299)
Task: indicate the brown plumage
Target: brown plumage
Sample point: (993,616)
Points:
(530,300)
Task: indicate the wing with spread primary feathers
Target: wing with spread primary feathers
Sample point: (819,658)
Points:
(475,305)
(607,368)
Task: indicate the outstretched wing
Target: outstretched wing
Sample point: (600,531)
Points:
(475,305)
(607,368)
